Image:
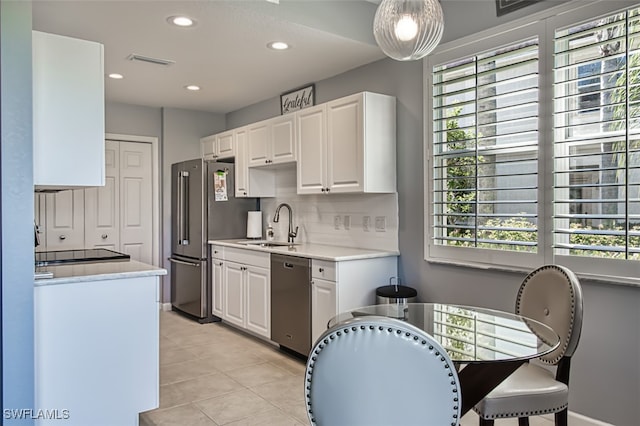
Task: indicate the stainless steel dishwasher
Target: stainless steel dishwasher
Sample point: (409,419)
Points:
(291,302)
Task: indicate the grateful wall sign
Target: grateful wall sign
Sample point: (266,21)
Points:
(298,99)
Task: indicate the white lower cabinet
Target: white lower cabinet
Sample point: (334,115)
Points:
(242,288)
(340,286)
(323,305)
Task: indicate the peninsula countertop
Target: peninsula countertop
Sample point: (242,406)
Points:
(97,271)
(309,250)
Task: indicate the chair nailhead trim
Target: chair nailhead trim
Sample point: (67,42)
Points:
(408,335)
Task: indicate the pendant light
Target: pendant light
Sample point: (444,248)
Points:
(407,30)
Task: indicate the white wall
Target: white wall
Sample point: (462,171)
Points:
(314,214)
(16,203)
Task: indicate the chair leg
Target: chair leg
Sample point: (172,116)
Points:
(523,421)
(561,417)
(486,422)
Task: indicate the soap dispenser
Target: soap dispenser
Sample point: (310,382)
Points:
(270,234)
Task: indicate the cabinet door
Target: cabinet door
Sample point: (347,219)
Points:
(311,167)
(224,145)
(136,236)
(217,287)
(102,204)
(283,139)
(68,112)
(233,293)
(242,171)
(345,145)
(323,306)
(258,144)
(65,220)
(258,289)
(208,147)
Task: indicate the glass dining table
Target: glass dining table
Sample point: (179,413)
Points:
(485,345)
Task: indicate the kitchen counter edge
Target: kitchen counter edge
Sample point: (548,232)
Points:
(99,271)
(313,251)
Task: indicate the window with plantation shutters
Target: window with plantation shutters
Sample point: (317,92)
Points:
(597,138)
(485,135)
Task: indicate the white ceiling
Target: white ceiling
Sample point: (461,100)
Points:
(225,52)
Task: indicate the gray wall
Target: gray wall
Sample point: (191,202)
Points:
(605,379)
(179,132)
(182,130)
(16,254)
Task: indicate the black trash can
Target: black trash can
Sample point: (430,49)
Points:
(395,294)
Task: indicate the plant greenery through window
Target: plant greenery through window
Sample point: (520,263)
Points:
(486,143)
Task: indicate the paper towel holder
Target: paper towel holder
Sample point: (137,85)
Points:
(254,225)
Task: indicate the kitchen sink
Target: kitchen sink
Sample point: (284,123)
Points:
(262,243)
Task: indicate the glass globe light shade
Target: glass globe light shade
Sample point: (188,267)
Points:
(407,30)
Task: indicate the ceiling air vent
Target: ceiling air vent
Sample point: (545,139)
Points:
(149,59)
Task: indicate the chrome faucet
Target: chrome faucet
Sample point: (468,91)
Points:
(276,218)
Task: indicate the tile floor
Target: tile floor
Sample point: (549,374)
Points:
(214,375)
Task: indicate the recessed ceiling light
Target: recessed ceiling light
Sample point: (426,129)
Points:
(192,87)
(278,45)
(116,76)
(181,21)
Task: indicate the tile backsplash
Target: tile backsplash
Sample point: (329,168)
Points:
(348,220)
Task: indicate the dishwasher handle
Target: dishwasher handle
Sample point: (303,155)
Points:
(288,265)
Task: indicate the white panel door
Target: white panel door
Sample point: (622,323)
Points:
(312,135)
(345,145)
(233,293)
(258,287)
(102,205)
(136,201)
(65,220)
(323,306)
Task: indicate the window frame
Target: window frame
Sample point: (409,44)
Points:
(543,25)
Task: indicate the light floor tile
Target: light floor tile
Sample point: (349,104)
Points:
(234,406)
(184,415)
(273,417)
(214,375)
(258,374)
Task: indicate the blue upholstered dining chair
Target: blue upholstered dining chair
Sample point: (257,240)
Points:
(552,295)
(380,371)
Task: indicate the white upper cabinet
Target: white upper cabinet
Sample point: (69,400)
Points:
(242,171)
(68,112)
(219,146)
(348,145)
(271,141)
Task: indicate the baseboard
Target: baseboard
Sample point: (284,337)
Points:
(587,420)
(165,306)
(579,419)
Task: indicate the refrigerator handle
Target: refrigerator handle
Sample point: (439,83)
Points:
(185,199)
(183,209)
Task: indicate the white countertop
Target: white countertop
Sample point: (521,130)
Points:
(314,251)
(110,270)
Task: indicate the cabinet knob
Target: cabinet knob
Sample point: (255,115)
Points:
(220,263)
(328,189)
(63,237)
(320,269)
(245,193)
(105,236)
(322,189)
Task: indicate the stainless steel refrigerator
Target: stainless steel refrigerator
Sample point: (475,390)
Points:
(203,207)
